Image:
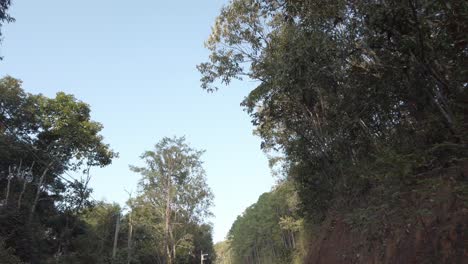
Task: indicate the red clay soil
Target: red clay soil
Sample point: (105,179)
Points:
(440,237)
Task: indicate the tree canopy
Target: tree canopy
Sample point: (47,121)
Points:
(173,189)
(352,94)
(40,140)
(48,216)
(267,231)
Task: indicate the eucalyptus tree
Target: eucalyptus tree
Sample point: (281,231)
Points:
(173,183)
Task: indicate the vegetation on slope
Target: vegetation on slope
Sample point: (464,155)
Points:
(359,98)
(269,230)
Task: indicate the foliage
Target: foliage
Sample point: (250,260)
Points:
(176,199)
(95,242)
(354,94)
(40,140)
(47,218)
(267,232)
(223,252)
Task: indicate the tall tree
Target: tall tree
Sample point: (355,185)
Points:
(174,184)
(267,231)
(43,138)
(350,92)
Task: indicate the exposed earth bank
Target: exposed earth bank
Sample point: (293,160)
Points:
(434,231)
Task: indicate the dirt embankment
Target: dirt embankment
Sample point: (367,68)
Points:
(438,235)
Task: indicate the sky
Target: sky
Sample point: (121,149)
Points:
(134,63)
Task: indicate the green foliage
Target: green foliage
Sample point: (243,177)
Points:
(41,139)
(175,168)
(223,252)
(353,94)
(173,201)
(267,232)
(95,244)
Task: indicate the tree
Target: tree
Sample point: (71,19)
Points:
(223,252)
(95,242)
(4,16)
(355,94)
(40,140)
(174,185)
(266,232)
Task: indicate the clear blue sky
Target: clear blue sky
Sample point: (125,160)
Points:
(134,63)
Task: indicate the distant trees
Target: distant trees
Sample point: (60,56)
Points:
(176,198)
(46,216)
(267,232)
(93,242)
(223,252)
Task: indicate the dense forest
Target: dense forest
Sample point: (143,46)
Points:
(269,231)
(362,110)
(357,103)
(49,216)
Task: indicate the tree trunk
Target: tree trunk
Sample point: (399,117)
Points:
(39,187)
(168,222)
(116,236)
(8,185)
(130,233)
(293,239)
